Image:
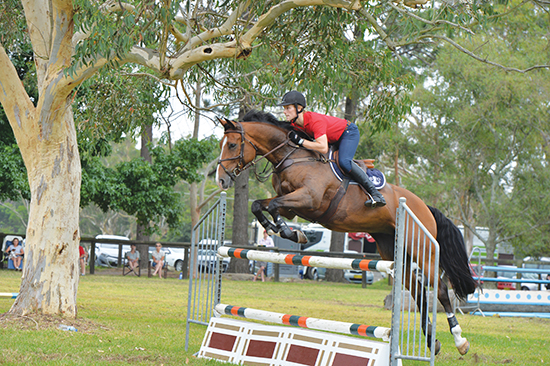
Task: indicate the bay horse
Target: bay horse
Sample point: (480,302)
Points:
(305,186)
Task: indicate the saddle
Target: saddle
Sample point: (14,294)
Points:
(375,175)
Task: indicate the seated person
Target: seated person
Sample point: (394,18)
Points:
(158,259)
(15,252)
(83,259)
(133,258)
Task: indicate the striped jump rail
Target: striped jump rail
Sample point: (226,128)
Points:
(305,322)
(10,295)
(309,261)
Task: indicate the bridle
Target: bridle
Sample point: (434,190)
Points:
(242,166)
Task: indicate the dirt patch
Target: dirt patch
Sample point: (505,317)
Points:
(238,276)
(40,322)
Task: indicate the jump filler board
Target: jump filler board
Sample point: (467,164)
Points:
(247,343)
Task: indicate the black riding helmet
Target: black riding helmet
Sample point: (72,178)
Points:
(295,98)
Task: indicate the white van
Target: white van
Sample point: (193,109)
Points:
(318,238)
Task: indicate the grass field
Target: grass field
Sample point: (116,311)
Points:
(142,321)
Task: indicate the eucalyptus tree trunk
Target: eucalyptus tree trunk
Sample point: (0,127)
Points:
(240,215)
(47,139)
(51,274)
(240,222)
(337,245)
(141,235)
(193,189)
(337,239)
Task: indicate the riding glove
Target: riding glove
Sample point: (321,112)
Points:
(293,136)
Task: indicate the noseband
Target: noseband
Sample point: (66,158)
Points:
(242,166)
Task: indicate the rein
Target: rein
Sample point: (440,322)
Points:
(242,166)
(265,174)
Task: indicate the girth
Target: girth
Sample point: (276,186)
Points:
(334,203)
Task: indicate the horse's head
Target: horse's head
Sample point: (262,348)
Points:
(236,152)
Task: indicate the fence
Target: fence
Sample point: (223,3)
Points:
(205,272)
(407,340)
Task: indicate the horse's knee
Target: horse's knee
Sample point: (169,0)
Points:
(273,207)
(256,208)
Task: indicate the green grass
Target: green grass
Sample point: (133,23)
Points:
(142,321)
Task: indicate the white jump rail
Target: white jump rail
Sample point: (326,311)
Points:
(309,261)
(305,322)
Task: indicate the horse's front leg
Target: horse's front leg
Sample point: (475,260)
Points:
(257,208)
(298,199)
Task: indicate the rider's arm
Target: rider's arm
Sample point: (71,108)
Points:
(320,144)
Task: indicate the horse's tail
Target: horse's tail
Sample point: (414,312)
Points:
(453,258)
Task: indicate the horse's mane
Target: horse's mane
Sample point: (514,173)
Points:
(259,116)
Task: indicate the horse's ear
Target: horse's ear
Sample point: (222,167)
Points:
(227,124)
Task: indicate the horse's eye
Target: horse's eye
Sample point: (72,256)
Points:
(232,145)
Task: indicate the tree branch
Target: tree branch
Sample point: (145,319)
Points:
(23,220)
(485,61)
(225,29)
(435,22)
(379,30)
(15,100)
(242,48)
(274,12)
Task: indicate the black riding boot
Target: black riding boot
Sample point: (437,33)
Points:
(361,177)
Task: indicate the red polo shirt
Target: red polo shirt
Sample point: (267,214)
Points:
(317,125)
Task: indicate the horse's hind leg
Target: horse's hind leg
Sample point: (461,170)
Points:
(418,291)
(461,343)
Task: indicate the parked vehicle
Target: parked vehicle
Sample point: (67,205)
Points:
(318,238)
(526,286)
(106,255)
(350,275)
(206,261)
(504,276)
(174,257)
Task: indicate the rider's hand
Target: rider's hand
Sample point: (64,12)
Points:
(293,136)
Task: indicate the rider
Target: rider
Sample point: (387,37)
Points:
(328,130)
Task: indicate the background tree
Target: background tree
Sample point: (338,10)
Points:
(477,137)
(73,40)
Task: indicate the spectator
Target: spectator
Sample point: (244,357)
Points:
(133,258)
(16,252)
(158,259)
(83,259)
(266,241)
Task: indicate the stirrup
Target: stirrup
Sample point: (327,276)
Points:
(371,202)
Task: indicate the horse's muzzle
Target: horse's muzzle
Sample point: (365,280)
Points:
(225,182)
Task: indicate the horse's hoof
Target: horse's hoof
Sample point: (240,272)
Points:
(464,348)
(301,237)
(437,347)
